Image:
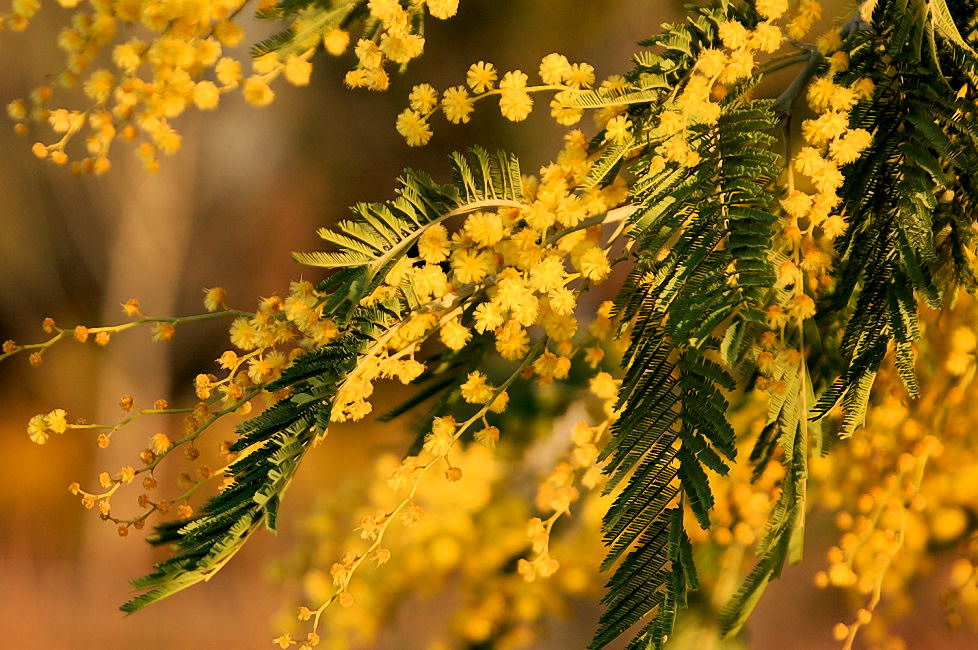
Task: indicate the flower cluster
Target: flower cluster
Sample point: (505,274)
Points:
(435,535)
(831,144)
(139,65)
(396,39)
(810,220)
(558,491)
(505,270)
(150,82)
(462,547)
(268,340)
(900,497)
(715,70)
(567,80)
(406,479)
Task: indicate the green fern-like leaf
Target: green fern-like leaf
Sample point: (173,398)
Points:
(379,234)
(275,442)
(702,235)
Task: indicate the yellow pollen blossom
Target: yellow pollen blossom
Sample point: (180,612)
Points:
(481,77)
(618,129)
(581,75)
(594,264)
(476,389)
(485,228)
(423,98)
(554,69)
(470,266)
(515,104)
(604,386)
(336,41)
(771,9)
(433,244)
(413,127)
(512,341)
(457,105)
(442,9)
(455,335)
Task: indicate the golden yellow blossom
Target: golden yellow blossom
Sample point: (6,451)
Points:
(457,105)
(413,127)
(476,389)
(481,77)
(554,69)
(423,98)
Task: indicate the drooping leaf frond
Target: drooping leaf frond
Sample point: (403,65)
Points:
(702,233)
(273,444)
(909,199)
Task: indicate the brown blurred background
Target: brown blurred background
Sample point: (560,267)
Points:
(249,186)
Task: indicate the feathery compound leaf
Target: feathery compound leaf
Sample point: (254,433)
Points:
(702,235)
(311,20)
(650,92)
(379,234)
(784,535)
(274,443)
(893,195)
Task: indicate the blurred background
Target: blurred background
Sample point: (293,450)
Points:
(249,187)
